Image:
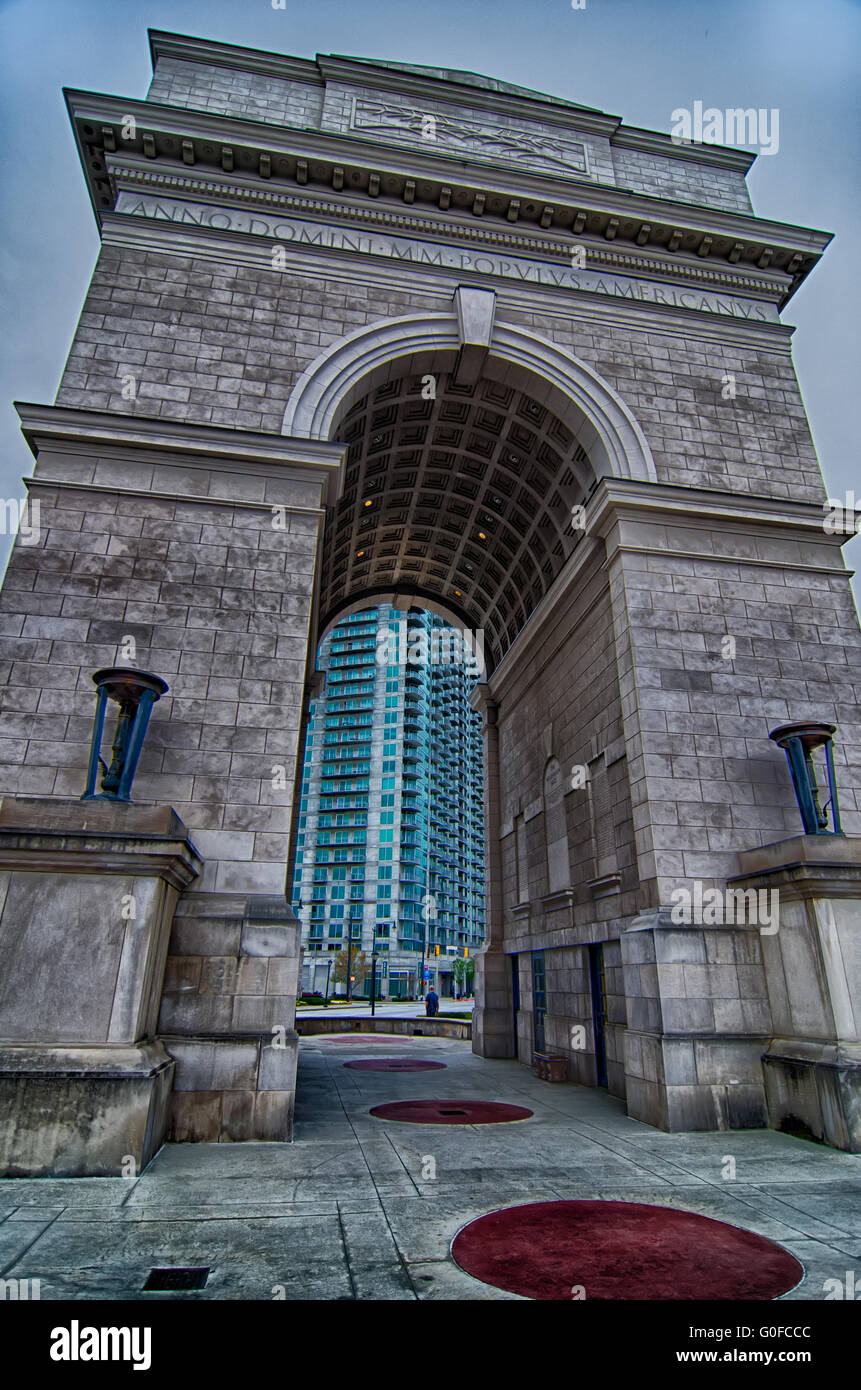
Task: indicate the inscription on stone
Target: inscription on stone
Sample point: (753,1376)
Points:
(553,274)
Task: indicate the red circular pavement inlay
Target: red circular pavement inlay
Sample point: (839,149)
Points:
(621,1250)
(394,1064)
(450,1112)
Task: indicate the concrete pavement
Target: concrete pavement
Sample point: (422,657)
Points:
(359,1208)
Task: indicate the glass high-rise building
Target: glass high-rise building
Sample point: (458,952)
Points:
(390,847)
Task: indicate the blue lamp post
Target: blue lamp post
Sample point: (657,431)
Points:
(135,692)
(799,741)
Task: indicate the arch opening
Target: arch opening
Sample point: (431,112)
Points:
(459,497)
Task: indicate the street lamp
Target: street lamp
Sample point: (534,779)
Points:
(373,981)
(135,692)
(421,980)
(799,741)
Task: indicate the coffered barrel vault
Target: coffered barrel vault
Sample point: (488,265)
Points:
(359,332)
(467,497)
(462,484)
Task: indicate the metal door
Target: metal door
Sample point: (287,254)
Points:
(599,1012)
(539,999)
(515,999)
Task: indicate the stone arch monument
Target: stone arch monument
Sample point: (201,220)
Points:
(532,373)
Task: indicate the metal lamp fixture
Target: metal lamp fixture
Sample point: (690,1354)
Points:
(799,741)
(135,692)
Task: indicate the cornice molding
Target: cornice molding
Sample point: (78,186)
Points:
(218,445)
(96,854)
(242,192)
(618,497)
(205,499)
(497,194)
(187,49)
(654,142)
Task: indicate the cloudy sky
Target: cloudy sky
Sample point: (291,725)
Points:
(638,59)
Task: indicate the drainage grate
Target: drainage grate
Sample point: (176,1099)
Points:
(170,1280)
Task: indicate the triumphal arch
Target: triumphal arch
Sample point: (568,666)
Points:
(367,331)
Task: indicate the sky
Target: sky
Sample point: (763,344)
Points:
(637,59)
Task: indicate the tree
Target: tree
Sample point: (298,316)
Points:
(359,969)
(464,972)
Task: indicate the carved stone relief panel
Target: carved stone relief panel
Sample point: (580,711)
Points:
(392,120)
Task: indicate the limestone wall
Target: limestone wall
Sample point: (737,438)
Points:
(567,705)
(212,342)
(227,1019)
(224,343)
(706,780)
(216,600)
(231,92)
(662,176)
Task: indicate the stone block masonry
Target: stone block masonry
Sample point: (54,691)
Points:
(208,574)
(193,555)
(211,343)
(224,344)
(231,92)
(227,1018)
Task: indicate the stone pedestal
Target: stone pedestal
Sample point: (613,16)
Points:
(698,1022)
(82,1111)
(88,891)
(812,1065)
